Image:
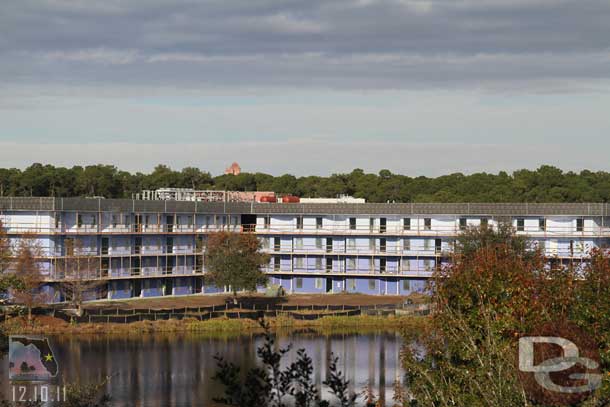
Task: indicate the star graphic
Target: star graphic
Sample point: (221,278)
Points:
(48,357)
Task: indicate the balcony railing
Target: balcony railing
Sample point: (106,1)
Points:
(13,227)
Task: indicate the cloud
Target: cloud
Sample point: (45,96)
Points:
(306,85)
(94,56)
(306,43)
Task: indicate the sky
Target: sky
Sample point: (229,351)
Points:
(419,87)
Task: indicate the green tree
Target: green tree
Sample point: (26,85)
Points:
(191,177)
(235,260)
(497,288)
(475,238)
(545,184)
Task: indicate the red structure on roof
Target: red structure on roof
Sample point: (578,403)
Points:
(234,169)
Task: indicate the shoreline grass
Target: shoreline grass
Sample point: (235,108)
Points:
(221,327)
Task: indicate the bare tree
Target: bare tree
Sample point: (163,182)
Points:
(7,280)
(79,271)
(28,274)
(5,250)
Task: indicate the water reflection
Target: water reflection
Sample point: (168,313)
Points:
(177,370)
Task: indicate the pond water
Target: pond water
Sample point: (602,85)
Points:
(177,369)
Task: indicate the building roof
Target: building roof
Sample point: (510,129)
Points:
(475,209)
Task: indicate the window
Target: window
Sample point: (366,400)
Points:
(79,220)
(372,284)
(115,220)
(318,283)
(329,265)
(351,243)
(298,262)
(138,222)
(382,245)
(520,224)
(406,224)
(105,245)
(277,244)
(105,266)
(200,241)
(427,244)
(299,282)
(542,224)
(371,224)
(427,264)
(406,244)
(382,264)
(169,244)
(299,222)
(484,222)
(427,224)
(352,223)
(542,246)
(137,245)
(438,245)
(298,243)
(318,223)
(276,263)
(267,220)
(383,222)
(406,264)
(265,243)
(580,225)
(319,243)
(406,285)
(318,264)
(57,219)
(463,223)
(372,244)
(329,245)
(351,284)
(69,245)
(93,220)
(351,263)
(571,248)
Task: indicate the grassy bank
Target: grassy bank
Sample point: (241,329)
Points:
(218,326)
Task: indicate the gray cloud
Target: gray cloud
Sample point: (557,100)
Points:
(306,43)
(306,86)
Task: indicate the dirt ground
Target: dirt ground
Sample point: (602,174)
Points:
(294,299)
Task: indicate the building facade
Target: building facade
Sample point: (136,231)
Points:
(143,248)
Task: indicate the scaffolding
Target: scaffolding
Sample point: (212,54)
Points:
(206,195)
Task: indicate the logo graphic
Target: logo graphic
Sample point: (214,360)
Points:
(31,358)
(558,365)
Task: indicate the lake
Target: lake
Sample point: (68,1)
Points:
(177,369)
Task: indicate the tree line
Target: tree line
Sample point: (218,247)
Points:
(545,184)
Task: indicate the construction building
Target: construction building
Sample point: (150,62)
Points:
(155,247)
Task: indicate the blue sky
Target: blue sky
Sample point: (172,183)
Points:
(307,87)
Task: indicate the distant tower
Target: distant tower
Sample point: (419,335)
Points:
(234,169)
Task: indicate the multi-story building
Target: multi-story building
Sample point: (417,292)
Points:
(152,248)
